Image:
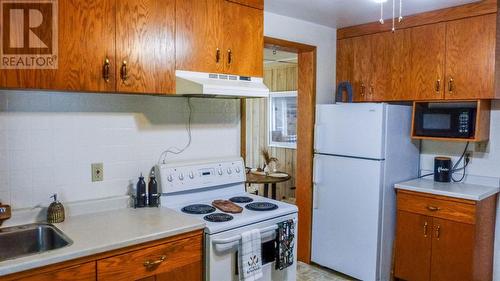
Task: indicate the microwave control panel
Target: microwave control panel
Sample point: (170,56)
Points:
(463,123)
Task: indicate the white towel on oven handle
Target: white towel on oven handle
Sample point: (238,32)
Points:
(250,258)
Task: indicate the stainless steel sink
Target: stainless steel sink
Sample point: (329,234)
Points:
(19,241)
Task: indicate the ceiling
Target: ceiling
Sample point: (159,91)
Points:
(342,13)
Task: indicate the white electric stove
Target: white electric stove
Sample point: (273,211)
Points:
(191,187)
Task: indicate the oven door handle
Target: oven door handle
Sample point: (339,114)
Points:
(237,238)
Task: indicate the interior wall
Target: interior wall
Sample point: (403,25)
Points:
(485,162)
(277,78)
(324,38)
(49,140)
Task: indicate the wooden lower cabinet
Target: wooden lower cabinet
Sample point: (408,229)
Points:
(439,239)
(178,258)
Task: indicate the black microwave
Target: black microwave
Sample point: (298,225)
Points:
(445,120)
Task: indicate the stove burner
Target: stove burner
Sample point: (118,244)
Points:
(261,206)
(241,199)
(218,217)
(197,209)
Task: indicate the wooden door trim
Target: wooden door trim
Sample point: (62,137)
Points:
(305,135)
(442,15)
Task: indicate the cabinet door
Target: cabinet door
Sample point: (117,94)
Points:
(86,38)
(243,40)
(198,36)
(145,47)
(413,247)
(396,76)
(362,69)
(258,4)
(452,250)
(426,69)
(470,58)
(345,60)
(83,272)
(379,65)
(191,272)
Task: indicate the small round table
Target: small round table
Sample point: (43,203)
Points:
(266,181)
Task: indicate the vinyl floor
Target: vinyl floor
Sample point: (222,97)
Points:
(307,272)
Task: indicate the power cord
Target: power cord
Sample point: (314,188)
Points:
(454,168)
(173,149)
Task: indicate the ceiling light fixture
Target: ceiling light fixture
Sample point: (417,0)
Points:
(400,18)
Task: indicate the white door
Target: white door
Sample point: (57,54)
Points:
(346,215)
(350,129)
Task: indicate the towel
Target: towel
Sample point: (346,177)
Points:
(250,258)
(285,237)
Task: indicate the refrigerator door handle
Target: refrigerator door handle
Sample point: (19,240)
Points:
(315,196)
(318,129)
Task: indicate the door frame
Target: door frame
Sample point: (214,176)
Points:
(305,136)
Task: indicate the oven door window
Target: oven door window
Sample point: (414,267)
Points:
(268,252)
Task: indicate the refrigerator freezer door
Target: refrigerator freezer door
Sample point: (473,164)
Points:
(351,129)
(346,215)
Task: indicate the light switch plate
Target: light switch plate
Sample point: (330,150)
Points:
(97,172)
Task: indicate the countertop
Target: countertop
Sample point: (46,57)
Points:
(457,190)
(105,231)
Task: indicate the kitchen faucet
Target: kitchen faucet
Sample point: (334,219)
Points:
(5,213)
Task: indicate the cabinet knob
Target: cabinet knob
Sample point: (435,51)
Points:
(105,70)
(229,56)
(217,55)
(451,85)
(123,71)
(438,85)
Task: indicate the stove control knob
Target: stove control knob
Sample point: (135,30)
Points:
(220,171)
(170,178)
(181,176)
(229,171)
(237,170)
(191,175)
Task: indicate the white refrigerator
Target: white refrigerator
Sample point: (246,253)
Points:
(361,151)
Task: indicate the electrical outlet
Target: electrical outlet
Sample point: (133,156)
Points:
(97,172)
(468,155)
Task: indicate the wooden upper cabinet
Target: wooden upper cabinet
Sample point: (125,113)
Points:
(470,58)
(145,49)
(362,69)
(452,251)
(86,38)
(199,36)
(345,60)
(243,31)
(258,4)
(426,80)
(413,246)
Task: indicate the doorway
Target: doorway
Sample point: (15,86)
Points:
(290,73)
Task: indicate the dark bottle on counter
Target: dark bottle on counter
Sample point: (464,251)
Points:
(153,195)
(141,193)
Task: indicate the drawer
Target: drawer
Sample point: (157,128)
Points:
(151,261)
(440,207)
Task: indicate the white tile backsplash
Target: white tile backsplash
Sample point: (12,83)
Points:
(48,141)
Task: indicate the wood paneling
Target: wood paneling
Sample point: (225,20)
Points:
(426,80)
(145,34)
(413,246)
(130,266)
(448,14)
(243,30)
(452,250)
(82,272)
(305,145)
(199,35)
(470,57)
(86,36)
(258,4)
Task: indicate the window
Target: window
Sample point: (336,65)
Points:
(283,119)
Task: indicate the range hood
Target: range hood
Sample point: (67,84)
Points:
(189,83)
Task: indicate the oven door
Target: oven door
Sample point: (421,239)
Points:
(221,259)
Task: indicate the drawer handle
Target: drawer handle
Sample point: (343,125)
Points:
(432,208)
(425,229)
(124,71)
(438,232)
(105,70)
(150,264)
